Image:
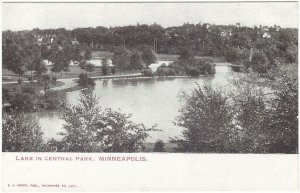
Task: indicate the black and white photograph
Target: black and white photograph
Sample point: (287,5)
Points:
(150,77)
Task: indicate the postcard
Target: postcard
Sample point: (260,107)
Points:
(149,96)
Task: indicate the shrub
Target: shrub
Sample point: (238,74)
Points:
(147,72)
(259,62)
(85,81)
(21,133)
(165,71)
(25,99)
(207,67)
(52,100)
(159,146)
(193,71)
(113,70)
(89,128)
(207,118)
(104,70)
(46,80)
(5,94)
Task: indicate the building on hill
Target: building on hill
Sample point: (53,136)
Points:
(266,35)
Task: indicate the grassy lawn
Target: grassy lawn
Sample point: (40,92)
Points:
(8,76)
(74,72)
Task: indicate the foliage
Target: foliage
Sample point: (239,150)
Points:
(85,81)
(159,146)
(5,94)
(88,55)
(90,67)
(259,62)
(89,128)
(25,99)
(136,60)
(165,71)
(104,67)
(207,118)
(284,117)
(21,133)
(147,72)
(45,81)
(252,119)
(148,55)
(236,54)
(113,70)
(52,100)
(121,57)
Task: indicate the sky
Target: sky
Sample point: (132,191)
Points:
(26,16)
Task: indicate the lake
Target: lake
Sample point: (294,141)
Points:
(150,101)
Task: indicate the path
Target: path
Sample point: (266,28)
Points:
(71,82)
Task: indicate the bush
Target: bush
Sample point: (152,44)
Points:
(113,70)
(85,81)
(25,99)
(88,128)
(52,100)
(207,118)
(193,71)
(46,80)
(207,67)
(159,146)
(104,70)
(147,72)
(5,94)
(235,54)
(165,71)
(259,62)
(21,133)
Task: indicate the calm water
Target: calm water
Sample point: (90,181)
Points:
(150,101)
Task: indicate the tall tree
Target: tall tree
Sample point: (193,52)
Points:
(121,57)
(136,60)
(148,56)
(89,128)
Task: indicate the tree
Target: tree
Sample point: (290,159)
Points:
(186,58)
(148,56)
(104,67)
(85,81)
(207,118)
(259,62)
(90,67)
(292,54)
(21,133)
(61,61)
(136,60)
(40,67)
(121,57)
(159,146)
(14,58)
(45,81)
(88,55)
(284,117)
(252,119)
(89,128)
(82,65)
(25,99)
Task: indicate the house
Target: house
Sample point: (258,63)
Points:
(74,42)
(44,39)
(206,25)
(266,35)
(277,27)
(226,33)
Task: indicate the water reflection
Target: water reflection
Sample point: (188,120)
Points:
(150,100)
